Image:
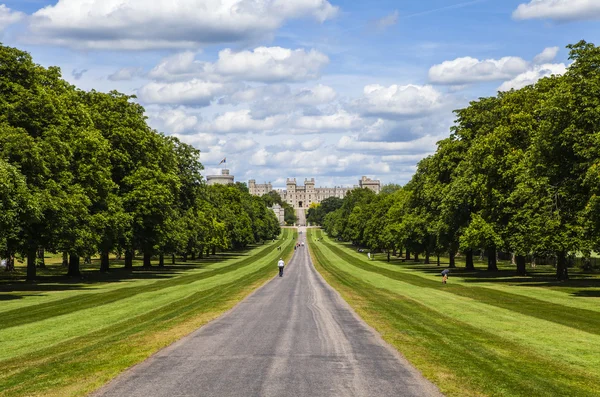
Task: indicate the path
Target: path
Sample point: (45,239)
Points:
(301,215)
(293,337)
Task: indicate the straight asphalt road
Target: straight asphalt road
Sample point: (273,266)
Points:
(295,336)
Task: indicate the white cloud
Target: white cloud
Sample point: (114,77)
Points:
(124,74)
(387,21)
(271,64)
(242,121)
(194,92)
(8,17)
(202,140)
(237,145)
(339,121)
(143,24)
(263,64)
(399,101)
(172,121)
(546,56)
(471,70)
(559,10)
(424,144)
(533,75)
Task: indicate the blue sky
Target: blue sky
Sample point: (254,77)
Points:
(303,88)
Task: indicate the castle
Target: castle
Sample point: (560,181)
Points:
(303,196)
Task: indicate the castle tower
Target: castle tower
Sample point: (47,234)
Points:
(252,186)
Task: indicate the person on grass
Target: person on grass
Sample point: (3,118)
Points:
(280,265)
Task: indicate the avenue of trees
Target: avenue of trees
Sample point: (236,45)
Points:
(520,174)
(82,173)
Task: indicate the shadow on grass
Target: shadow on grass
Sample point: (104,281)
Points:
(542,276)
(53,277)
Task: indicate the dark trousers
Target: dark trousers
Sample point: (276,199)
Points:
(281,271)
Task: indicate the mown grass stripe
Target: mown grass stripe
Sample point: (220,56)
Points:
(81,364)
(463,360)
(72,304)
(582,319)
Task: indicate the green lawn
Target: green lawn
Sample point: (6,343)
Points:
(62,337)
(482,333)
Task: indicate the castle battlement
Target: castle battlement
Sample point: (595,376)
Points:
(299,196)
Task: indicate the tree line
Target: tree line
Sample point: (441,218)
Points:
(82,173)
(519,173)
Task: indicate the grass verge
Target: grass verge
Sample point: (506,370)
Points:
(135,322)
(468,342)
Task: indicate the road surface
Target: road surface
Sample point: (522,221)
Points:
(293,337)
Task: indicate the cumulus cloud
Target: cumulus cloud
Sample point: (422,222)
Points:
(242,121)
(399,101)
(178,120)
(559,10)
(546,56)
(471,70)
(194,92)
(533,75)
(263,64)
(125,74)
(339,121)
(423,145)
(8,17)
(123,24)
(238,145)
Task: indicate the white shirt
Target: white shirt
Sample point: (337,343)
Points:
(280,263)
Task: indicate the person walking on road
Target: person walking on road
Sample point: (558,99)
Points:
(280,264)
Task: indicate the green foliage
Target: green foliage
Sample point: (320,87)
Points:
(83,173)
(519,173)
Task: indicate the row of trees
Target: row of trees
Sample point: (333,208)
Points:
(519,173)
(83,173)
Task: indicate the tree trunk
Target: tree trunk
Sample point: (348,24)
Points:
(562,272)
(452,255)
(65,259)
(400,251)
(129,258)
(147,258)
(104,262)
(31,270)
(173,259)
(214,250)
(438,260)
(73,266)
(201,253)
(161,260)
(416,256)
(469,260)
(521,270)
(207,251)
(492,264)
(388,255)
(427,255)
(193,255)
(394,252)
(407,255)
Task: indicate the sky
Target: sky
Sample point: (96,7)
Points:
(330,89)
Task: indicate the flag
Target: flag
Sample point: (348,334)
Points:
(223,161)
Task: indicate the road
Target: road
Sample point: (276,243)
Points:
(294,336)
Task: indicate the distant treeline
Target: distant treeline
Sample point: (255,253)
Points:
(520,173)
(82,173)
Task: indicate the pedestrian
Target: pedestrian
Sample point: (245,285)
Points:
(280,265)
(444,274)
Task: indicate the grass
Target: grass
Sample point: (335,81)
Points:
(481,334)
(77,336)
